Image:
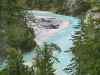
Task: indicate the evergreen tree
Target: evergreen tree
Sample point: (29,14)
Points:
(15,26)
(15,65)
(2,34)
(86,47)
(29,3)
(82,6)
(45,59)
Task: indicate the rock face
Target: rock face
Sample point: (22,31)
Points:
(78,7)
(96,15)
(71,4)
(46,26)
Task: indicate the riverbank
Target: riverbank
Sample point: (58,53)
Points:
(61,38)
(45,27)
(41,32)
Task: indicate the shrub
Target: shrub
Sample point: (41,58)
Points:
(23,40)
(81,8)
(27,45)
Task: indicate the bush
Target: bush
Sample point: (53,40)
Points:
(27,45)
(81,8)
(22,40)
(13,41)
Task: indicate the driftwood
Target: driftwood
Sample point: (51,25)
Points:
(43,20)
(52,18)
(51,26)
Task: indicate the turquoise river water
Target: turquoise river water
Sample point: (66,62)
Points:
(62,39)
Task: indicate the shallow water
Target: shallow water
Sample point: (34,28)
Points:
(62,39)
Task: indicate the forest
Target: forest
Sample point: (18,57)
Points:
(16,38)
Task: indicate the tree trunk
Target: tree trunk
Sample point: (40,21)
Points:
(0,14)
(1,1)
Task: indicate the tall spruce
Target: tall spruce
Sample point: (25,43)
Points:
(15,65)
(14,22)
(86,46)
(45,59)
(2,33)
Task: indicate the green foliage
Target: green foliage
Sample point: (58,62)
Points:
(15,65)
(45,59)
(1,73)
(57,6)
(14,23)
(27,44)
(42,4)
(86,48)
(62,6)
(23,41)
(82,7)
(29,3)
(13,55)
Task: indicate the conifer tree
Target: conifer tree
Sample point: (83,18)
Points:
(15,65)
(45,59)
(2,34)
(86,46)
(14,21)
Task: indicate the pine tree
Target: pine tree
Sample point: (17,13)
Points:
(45,59)
(86,47)
(14,21)
(2,34)
(29,3)
(15,65)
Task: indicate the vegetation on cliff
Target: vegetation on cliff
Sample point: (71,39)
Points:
(43,64)
(15,35)
(86,45)
(14,32)
(79,7)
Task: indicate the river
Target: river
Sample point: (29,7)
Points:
(62,39)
